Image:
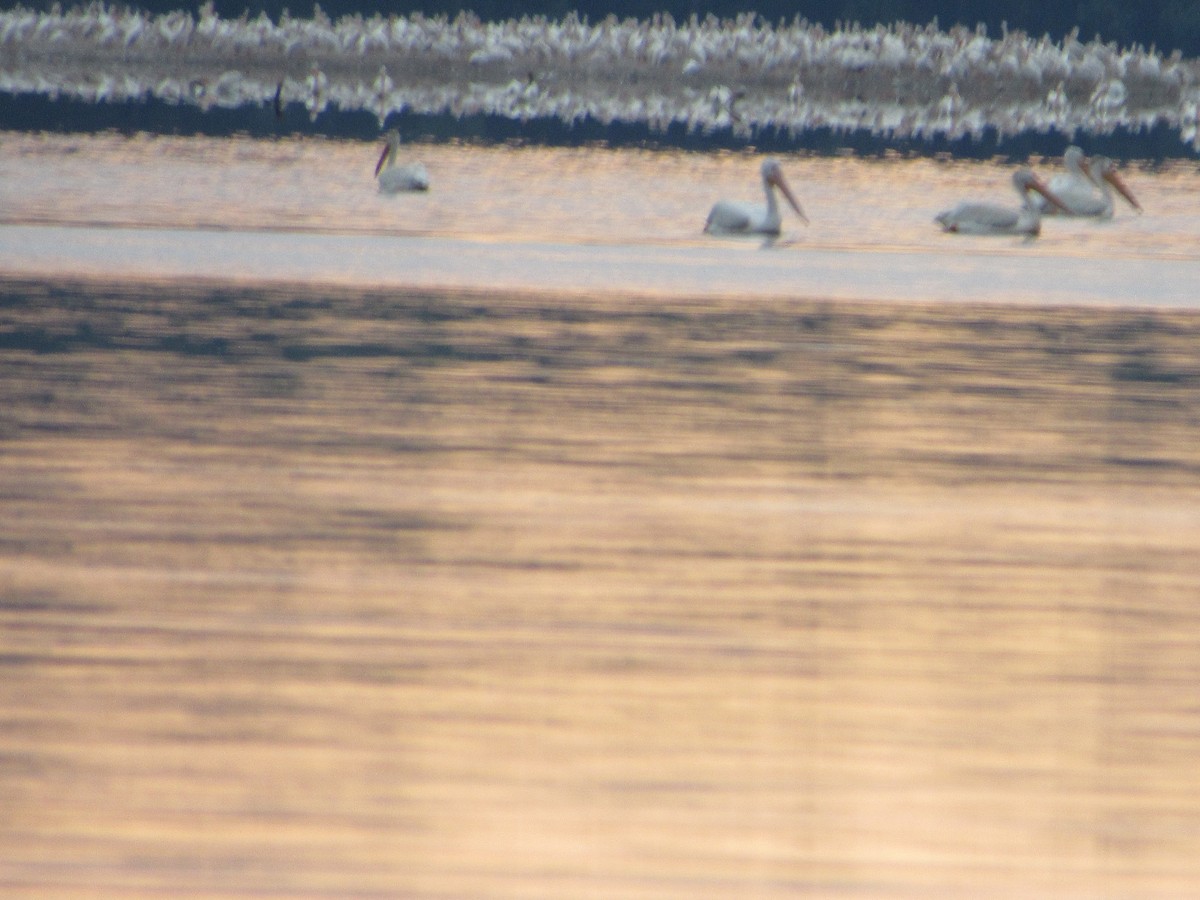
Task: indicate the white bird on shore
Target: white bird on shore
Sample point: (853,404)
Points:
(395,178)
(317,86)
(731,217)
(988,218)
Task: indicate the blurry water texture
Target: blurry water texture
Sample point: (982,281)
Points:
(316,591)
(503,541)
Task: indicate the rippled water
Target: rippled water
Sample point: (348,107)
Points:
(562,220)
(360,575)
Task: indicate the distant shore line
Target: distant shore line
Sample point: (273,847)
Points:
(726,82)
(33,113)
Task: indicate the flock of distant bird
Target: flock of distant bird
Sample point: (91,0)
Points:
(1083,190)
(743,75)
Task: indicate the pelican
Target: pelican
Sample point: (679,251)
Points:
(1077,189)
(1102,172)
(987,218)
(394,178)
(729,217)
(1072,183)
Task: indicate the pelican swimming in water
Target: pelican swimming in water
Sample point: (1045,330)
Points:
(729,217)
(1103,172)
(1074,182)
(988,218)
(394,178)
(1083,188)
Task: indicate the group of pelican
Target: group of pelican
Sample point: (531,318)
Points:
(727,216)
(894,81)
(1083,190)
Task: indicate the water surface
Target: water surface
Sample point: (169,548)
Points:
(384,584)
(568,222)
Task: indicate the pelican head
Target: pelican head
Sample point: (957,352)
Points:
(1025,181)
(1073,160)
(772,176)
(391,145)
(1102,168)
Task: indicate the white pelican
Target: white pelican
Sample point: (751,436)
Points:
(1103,173)
(1078,188)
(729,217)
(394,178)
(1072,183)
(987,218)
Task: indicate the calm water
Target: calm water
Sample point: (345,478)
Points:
(352,548)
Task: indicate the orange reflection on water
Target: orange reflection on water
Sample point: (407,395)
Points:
(424,595)
(524,194)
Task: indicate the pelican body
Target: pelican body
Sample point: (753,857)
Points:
(1072,183)
(1084,189)
(395,178)
(988,218)
(730,217)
